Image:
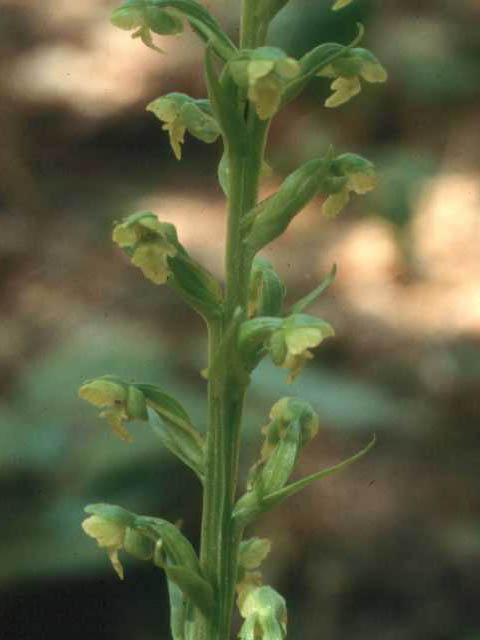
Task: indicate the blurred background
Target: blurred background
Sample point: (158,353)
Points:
(388,549)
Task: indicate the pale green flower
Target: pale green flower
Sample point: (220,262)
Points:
(289,346)
(152,259)
(119,402)
(180,113)
(111,397)
(343,90)
(347,71)
(298,342)
(361,178)
(109,535)
(149,242)
(265,614)
(265,73)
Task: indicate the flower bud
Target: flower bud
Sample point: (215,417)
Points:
(264,73)
(253,552)
(266,291)
(180,112)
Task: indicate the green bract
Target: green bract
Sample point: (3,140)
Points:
(266,291)
(347,70)
(179,112)
(264,73)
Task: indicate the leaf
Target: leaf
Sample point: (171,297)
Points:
(304,302)
(245,513)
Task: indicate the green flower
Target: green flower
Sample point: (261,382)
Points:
(265,614)
(109,535)
(112,528)
(264,73)
(145,20)
(289,346)
(119,402)
(347,71)
(180,113)
(360,178)
(149,243)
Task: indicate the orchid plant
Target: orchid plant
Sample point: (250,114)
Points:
(247,84)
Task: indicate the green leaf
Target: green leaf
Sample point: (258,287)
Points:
(247,510)
(304,302)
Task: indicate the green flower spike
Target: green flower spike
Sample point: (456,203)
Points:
(120,402)
(289,346)
(265,614)
(347,70)
(146,19)
(361,179)
(264,73)
(180,113)
(149,242)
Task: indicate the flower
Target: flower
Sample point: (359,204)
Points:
(360,178)
(347,70)
(163,21)
(119,401)
(265,614)
(264,73)
(109,535)
(150,243)
(289,346)
(180,113)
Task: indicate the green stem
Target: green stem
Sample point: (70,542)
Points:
(227,380)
